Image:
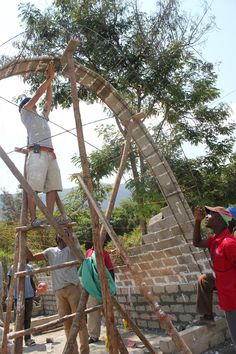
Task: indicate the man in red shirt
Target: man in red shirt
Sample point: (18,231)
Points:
(94,318)
(222,247)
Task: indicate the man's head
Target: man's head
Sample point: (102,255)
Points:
(60,243)
(218,218)
(23,102)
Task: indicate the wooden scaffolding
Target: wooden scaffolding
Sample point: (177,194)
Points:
(78,73)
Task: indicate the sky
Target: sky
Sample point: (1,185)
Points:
(218,48)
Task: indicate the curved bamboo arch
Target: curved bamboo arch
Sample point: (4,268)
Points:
(110,96)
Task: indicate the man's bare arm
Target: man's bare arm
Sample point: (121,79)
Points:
(41,90)
(34,257)
(197,237)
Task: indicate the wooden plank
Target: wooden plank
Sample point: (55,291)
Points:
(49,325)
(107,303)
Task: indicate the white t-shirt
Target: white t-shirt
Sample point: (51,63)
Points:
(38,129)
(64,276)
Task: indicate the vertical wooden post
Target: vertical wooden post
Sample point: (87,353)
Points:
(107,303)
(119,175)
(10,297)
(20,308)
(1,291)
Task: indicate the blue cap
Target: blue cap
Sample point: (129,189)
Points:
(23,102)
(232,211)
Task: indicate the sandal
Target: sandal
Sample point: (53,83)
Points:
(30,342)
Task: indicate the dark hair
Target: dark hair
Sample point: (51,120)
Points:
(88,245)
(23,102)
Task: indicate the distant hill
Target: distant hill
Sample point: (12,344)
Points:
(123,194)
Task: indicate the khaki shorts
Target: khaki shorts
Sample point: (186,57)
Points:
(43,173)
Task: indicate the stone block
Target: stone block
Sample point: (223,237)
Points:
(177,308)
(155,162)
(172,289)
(158,263)
(153,324)
(189,308)
(166,211)
(182,298)
(153,224)
(147,150)
(187,288)
(169,242)
(158,289)
(170,261)
(172,252)
(167,298)
(160,281)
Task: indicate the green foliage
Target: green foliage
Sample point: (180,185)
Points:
(11,206)
(150,58)
(132,239)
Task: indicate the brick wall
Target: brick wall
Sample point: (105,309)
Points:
(168,264)
(177,299)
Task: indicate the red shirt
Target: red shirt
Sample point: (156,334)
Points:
(223,255)
(106,256)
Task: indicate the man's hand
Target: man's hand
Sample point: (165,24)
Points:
(199,213)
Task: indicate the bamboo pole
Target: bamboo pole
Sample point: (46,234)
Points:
(107,303)
(49,325)
(77,323)
(29,227)
(46,269)
(161,315)
(121,344)
(119,175)
(134,327)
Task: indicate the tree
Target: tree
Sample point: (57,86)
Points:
(151,59)
(11,206)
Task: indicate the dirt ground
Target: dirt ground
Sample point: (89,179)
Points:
(133,343)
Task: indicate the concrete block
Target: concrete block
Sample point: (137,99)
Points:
(172,252)
(169,242)
(187,288)
(166,211)
(183,298)
(178,308)
(172,289)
